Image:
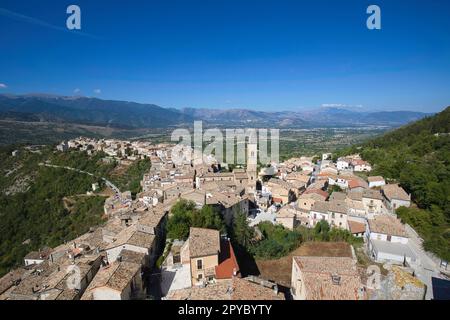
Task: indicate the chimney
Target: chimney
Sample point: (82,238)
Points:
(336,279)
(275,289)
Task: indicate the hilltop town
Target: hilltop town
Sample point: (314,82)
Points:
(373,255)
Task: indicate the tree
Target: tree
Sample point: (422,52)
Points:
(242,233)
(208,218)
(185,215)
(278,241)
(334,188)
(321,230)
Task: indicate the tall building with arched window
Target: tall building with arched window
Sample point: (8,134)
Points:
(252,161)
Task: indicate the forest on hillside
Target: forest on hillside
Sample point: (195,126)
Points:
(417,156)
(34,199)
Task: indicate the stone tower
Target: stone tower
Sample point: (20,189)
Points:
(252,161)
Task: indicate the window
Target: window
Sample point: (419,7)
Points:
(199,264)
(199,276)
(341,215)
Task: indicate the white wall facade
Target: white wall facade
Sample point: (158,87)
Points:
(342,165)
(297,284)
(384,237)
(373,184)
(29,262)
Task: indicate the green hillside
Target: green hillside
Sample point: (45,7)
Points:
(41,206)
(417,156)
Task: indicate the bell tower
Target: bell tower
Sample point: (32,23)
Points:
(252,161)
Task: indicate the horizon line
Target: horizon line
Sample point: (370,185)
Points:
(337,106)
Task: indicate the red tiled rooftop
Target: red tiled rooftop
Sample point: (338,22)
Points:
(277,200)
(318,191)
(356,227)
(355,183)
(227,261)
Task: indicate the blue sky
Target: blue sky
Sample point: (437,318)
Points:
(265,55)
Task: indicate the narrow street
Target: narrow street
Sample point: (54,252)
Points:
(426,268)
(263,216)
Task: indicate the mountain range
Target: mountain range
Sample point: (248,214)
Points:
(132,115)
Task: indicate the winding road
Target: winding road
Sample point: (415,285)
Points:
(107,182)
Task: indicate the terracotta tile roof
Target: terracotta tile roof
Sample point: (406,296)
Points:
(217,175)
(355,204)
(228,265)
(311,195)
(298,176)
(133,237)
(37,255)
(372,194)
(280,183)
(387,225)
(327,175)
(356,227)
(338,196)
(338,206)
(355,195)
(277,200)
(324,194)
(115,276)
(132,256)
(375,178)
(356,162)
(227,199)
(318,274)
(203,242)
(247,290)
(286,212)
(9,279)
(152,218)
(217,291)
(357,183)
(233,289)
(320,206)
(394,191)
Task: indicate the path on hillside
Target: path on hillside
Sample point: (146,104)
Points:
(107,182)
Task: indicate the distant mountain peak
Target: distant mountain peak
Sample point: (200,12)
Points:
(93,110)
